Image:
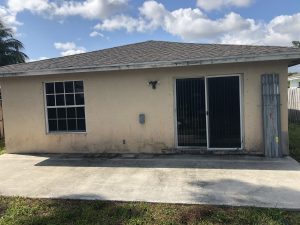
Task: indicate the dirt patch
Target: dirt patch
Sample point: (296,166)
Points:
(196,214)
(3,209)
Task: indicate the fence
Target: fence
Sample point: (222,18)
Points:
(294,105)
(1,121)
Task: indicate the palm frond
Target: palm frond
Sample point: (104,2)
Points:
(10,48)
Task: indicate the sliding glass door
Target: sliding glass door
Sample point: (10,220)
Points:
(223,112)
(191,115)
(208,112)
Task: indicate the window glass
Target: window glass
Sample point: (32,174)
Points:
(79,99)
(50,100)
(61,113)
(69,87)
(80,124)
(80,112)
(70,99)
(52,125)
(62,125)
(72,124)
(59,87)
(49,88)
(60,100)
(71,112)
(52,113)
(78,86)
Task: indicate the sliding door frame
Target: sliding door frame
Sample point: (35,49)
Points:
(241,112)
(175,112)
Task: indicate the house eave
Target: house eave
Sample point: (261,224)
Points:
(291,58)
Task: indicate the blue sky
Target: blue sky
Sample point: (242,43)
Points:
(51,28)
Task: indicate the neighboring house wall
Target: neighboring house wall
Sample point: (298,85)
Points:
(294,105)
(1,121)
(113,101)
(295,83)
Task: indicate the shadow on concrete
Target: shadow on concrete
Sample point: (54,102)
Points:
(82,196)
(241,193)
(174,161)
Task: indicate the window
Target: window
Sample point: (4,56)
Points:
(65,106)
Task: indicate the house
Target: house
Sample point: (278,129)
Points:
(151,97)
(294,98)
(294,80)
(1,118)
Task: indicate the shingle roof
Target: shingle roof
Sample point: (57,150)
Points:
(147,52)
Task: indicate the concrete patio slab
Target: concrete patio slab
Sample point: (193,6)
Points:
(236,181)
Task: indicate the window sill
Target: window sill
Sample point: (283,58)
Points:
(64,132)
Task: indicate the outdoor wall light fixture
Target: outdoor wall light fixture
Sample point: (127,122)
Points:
(153,83)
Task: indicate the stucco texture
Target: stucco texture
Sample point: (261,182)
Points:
(113,102)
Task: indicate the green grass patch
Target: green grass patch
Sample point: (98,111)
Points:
(24,211)
(2,146)
(294,141)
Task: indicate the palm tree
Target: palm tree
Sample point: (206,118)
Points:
(10,48)
(296,44)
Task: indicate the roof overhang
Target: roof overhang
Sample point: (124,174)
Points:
(295,76)
(293,58)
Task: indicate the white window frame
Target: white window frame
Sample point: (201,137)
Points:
(63,106)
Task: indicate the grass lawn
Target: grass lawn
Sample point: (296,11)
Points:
(294,141)
(2,147)
(24,211)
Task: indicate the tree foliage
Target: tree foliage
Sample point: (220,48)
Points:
(10,48)
(296,44)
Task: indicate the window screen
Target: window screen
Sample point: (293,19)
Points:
(65,106)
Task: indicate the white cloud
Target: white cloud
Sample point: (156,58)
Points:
(189,24)
(193,25)
(31,5)
(284,29)
(209,5)
(38,59)
(281,30)
(154,13)
(9,18)
(118,22)
(69,48)
(90,9)
(65,46)
(95,34)
(73,52)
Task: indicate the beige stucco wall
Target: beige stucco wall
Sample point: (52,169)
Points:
(113,103)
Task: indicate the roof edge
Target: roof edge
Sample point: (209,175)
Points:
(161,64)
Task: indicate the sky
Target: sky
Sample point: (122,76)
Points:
(52,28)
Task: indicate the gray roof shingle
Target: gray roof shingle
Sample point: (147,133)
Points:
(146,52)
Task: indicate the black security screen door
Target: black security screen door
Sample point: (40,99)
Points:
(223,94)
(191,113)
